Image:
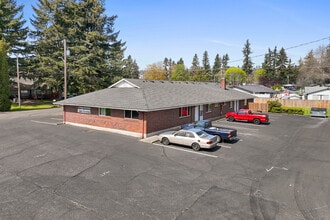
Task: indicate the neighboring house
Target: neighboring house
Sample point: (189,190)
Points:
(142,108)
(259,91)
(26,88)
(317,93)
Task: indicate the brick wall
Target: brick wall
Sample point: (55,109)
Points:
(115,121)
(161,120)
(148,122)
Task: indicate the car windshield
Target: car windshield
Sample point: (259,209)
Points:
(201,134)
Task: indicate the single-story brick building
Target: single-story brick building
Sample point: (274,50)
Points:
(142,108)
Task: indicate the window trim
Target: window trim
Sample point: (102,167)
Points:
(208,108)
(105,113)
(187,109)
(132,116)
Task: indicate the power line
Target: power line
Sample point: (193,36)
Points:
(288,48)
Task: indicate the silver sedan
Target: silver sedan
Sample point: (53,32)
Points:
(195,138)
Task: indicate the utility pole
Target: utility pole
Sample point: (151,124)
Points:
(65,77)
(18,84)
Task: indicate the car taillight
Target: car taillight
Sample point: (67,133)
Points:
(230,135)
(209,142)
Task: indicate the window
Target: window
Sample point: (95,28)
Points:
(231,104)
(105,111)
(131,114)
(190,134)
(184,112)
(180,134)
(245,101)
(208,108)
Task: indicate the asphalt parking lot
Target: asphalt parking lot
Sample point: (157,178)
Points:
(53,171)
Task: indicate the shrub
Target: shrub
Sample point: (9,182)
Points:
(273,104)
(293,110)
(277,109)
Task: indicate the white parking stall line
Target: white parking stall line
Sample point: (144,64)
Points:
(224,146)
(43,122)
(57,119)
(193,152)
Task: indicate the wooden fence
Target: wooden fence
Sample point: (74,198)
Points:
(260,104)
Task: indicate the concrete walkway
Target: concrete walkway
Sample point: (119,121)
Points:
(150,139)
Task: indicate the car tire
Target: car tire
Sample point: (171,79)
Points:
(219,139)
(256,121)
(195,147)
(230,118)
(165,141)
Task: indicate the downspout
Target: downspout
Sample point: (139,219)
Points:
(64,114)
(142,125)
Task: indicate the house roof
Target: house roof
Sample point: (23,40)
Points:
(153,95)
(255,89)
(315,89)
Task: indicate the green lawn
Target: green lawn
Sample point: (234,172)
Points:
(24,107)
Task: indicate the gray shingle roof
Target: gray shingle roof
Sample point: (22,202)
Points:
(153,95)
(315,89)
(254,89)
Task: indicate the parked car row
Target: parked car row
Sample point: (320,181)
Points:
(203,135)
(193,137)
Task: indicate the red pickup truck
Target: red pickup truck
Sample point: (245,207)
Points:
(247,115)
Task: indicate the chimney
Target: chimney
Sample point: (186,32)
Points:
(223,83)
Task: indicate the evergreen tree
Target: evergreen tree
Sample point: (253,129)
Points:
(13,31)
(247,62)
(12,28)
(267,65)
(167,64)
(201,76)
(131,69)
(194,66)
(4,78)
(180,61)
(216,70)
(292,73)
(96,56)
(206,62)
(224,62)
(281,68)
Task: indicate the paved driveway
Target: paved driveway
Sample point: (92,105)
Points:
(54,171)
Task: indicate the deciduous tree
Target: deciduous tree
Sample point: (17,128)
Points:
(180,73)
(235,75)
(154,72)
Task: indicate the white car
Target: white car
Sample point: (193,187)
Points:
(195,138)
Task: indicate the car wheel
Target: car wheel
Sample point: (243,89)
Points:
(256,121)
(219,139)
(165,141)
(230,118)
(195,147)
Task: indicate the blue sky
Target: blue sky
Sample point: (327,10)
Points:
(155,29)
